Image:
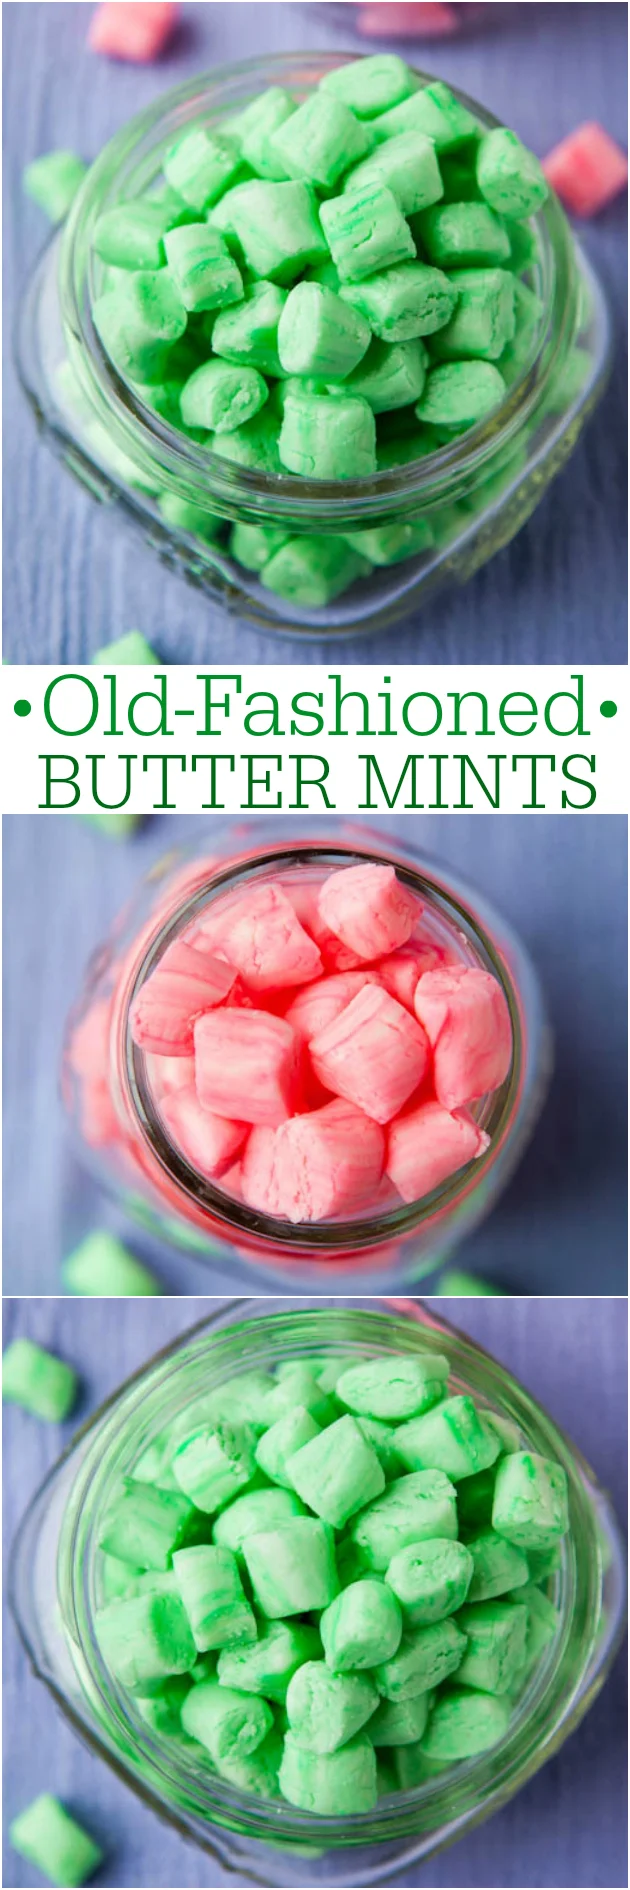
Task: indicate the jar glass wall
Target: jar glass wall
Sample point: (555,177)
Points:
(56,1590)
(113,1103)
(448,511)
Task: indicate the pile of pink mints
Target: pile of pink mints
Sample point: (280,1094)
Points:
(311,1051)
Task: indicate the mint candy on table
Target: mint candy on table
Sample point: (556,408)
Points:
(101,1266)
(49,1838)
(38,1381)
(456,1284)
(53,181)
(130,648)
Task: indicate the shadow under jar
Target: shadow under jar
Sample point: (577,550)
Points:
(56,1589)
(468,498)
(112,1100)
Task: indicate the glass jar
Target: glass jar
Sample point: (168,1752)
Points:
(109,1095)
(464,501)
(56,1588)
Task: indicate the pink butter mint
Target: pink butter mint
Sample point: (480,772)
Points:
(427,1145)
(467,1021)
(316,1166)
(368,909)
(429,21)
(167,1075)
(89,1049)
(587,169)
(259,933)
(247,1066)
(137,33)
(185,984)
(400,972)
(374,1054)
(321,1004)
(208,1141)
(89,1062)
(335,956)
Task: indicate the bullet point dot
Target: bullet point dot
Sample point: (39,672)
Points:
(22,707)
(608,709)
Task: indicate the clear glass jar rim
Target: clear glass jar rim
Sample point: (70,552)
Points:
(486,1779)
(328,1237)
(199,476)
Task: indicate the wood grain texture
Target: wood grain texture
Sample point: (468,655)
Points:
(559,882)
(566,1827)
(74,577)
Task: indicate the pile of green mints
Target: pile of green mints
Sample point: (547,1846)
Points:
(328,1583)
(327,290)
